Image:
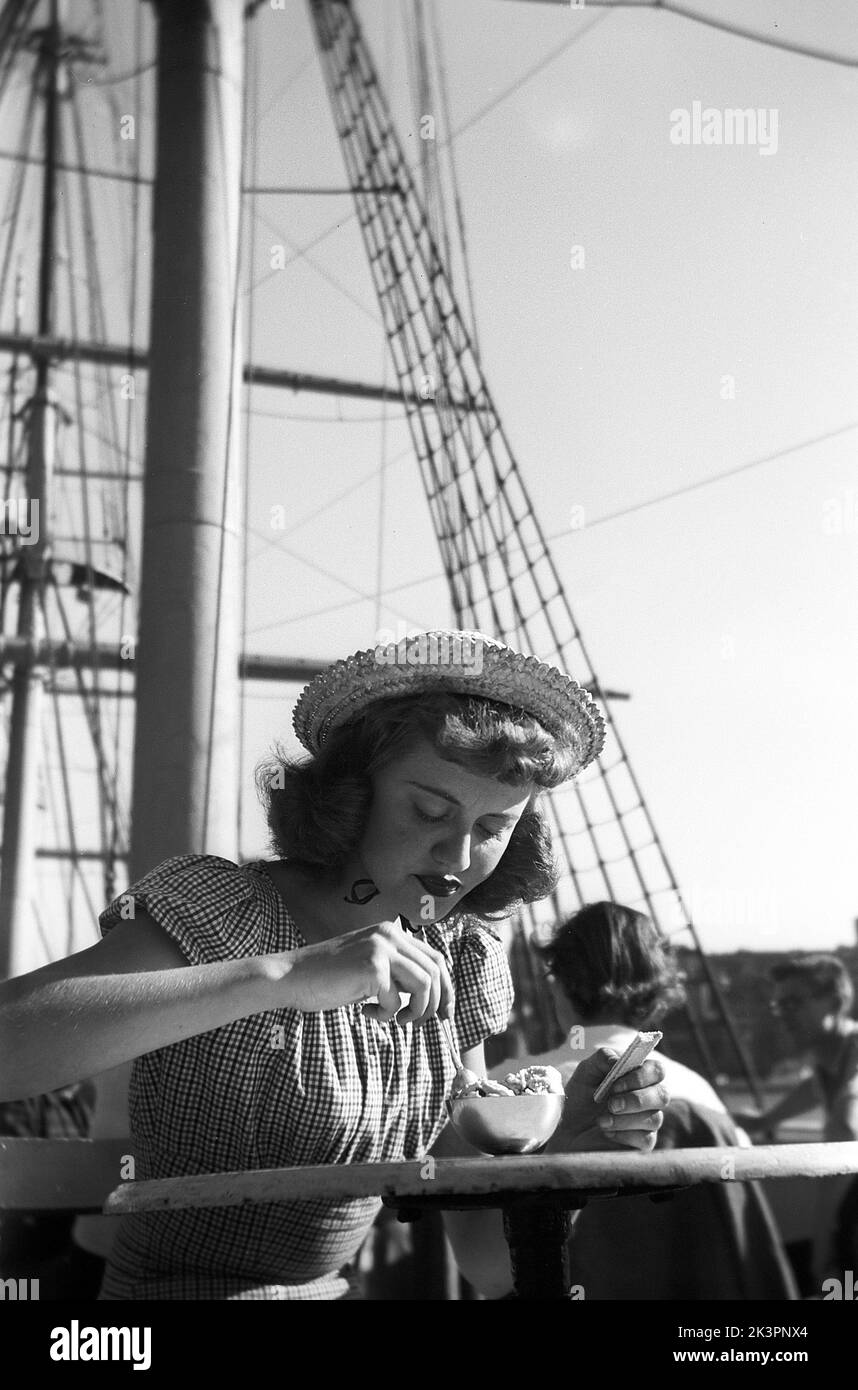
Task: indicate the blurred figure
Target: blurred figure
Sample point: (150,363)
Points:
(612,973)
(93,1236)
(813,997)
(37,1244)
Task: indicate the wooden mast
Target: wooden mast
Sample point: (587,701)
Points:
(186,754)
(20,808)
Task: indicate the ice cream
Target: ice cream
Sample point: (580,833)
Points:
(530,1081)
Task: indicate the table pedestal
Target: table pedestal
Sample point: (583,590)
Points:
(537,1226)
(538,1236)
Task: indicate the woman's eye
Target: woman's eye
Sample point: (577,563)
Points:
(485,830)
(492,834)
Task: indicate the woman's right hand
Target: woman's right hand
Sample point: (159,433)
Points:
(381,961)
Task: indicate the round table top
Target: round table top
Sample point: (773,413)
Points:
(533,1173)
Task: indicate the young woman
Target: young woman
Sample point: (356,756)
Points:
(288,1011)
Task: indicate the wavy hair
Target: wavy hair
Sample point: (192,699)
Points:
(613,965)
(317,807)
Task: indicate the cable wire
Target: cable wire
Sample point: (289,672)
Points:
(251,104)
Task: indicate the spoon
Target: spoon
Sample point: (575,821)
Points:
(464,1077)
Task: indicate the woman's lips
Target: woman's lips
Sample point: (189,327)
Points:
(439,887)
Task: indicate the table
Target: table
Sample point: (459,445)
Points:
(536,1192)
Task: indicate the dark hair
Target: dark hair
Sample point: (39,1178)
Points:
(821,974)
(316,808)
(612,963)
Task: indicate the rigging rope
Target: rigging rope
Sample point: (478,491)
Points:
(321,270)
(450,146)
(67,868)
(95,326)
(12,35)
(230,460)
(801,50)
(126,454)
(327,574)
(66,782)
(16,194)
(383,432)
(251,103)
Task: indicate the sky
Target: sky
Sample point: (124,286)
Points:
(679,391)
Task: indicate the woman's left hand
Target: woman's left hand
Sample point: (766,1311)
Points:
(630,1115)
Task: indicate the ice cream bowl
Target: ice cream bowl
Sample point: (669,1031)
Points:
(506,1124)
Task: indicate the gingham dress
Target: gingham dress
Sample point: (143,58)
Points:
(279,1089)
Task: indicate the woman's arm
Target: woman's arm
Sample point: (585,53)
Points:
(135,992)
(129,994)
(803,1097)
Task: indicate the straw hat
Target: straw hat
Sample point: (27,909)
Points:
(467,663)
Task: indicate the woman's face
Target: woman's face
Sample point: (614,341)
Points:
(435,831)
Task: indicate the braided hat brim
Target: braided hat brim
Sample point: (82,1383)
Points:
(465,663)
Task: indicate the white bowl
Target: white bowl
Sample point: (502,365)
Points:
(506,1124)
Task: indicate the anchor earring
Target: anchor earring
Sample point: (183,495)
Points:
(354,896)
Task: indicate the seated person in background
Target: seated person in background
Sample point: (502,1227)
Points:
(37,1244)
(612,974)
(813,996)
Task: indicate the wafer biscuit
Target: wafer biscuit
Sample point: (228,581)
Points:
(637,1051)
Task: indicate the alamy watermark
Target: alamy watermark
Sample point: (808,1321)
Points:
(19,516)
(840,514)
(732,125)
(459,649)
(841,1289)
(76,1343)
(19,1290)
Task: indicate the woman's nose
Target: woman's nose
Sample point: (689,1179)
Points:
(453,853)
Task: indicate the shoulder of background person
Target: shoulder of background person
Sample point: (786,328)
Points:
(852,1043)
(844,1075)
(688,1125)
(686,1084)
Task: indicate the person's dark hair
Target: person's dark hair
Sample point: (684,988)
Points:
(316,808)
(821,975)
(614,966)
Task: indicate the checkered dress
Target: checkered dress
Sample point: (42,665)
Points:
(279,1089)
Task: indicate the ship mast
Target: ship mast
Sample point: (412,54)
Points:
(186,737)
(25,735)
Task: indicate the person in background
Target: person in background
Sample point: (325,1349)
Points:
(813,997)
(37,1244)
(93,1235)
(612,974)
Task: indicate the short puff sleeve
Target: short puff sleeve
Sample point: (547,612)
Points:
(484,991)
(204,903)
